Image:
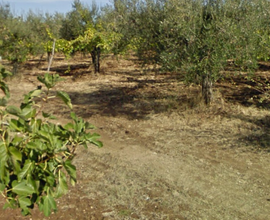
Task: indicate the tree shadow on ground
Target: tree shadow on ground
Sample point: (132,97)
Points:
(239,90)
(259,139)
(73,69)
(131,102)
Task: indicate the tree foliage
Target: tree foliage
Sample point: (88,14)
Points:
(196,37)
(35,153)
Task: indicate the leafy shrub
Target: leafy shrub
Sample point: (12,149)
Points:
(35,153)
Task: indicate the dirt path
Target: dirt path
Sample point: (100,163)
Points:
(162,158)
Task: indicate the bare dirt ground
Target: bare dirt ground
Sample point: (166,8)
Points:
(165,155)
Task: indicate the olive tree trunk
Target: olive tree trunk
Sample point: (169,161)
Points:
(95,54)
(207,88)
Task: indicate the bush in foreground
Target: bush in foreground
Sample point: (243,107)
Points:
(35,153)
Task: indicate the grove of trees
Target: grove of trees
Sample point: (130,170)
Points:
(195,37)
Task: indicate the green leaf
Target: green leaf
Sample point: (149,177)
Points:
(13,110)
(4,88)
(35,93)
(97,143)
(15,153)
(93,139)
(16,140)
(47,205)
(4,174)
(16,125)
(50,180)
(69,126)
(27,168)
(37,145)
(22,188)
(16,156)
(49,80)
(48,115)
(65,98)
(62,187)
(45,135)
(24,202)
(34,183)
(73,116)
(2,187)
(25,211)
(3,152)
(28,111)
(71,170)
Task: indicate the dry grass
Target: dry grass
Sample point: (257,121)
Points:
(165,154)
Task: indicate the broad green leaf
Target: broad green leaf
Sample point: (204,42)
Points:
(24,202)
(51,165)
(65,98)
(49,80)
(28,111)
(13,110)
(4,174)
(16,125)
(16,156)
(62,187)
(3,152)
(71,169)
(50,180)
(26,100)
(48,205)
(2,187)
(93,139)
(48,115)
(22,188)
(79,126)
(31,145)
(38,145)
(97,143)
(25,211)
(35,124)
(16,140)
(73,116)
(27,168)
(45,135)
(16,165)
(5,89)
(32,182)
(15,153)
(69,126)
(35,93)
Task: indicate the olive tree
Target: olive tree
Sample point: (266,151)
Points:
(196,37)
(81,27)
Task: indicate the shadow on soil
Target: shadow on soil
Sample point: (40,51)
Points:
(127,102)
(260,137)
(240,90)
(74,69)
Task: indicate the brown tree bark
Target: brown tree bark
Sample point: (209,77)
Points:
(207,89)
(95,54)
